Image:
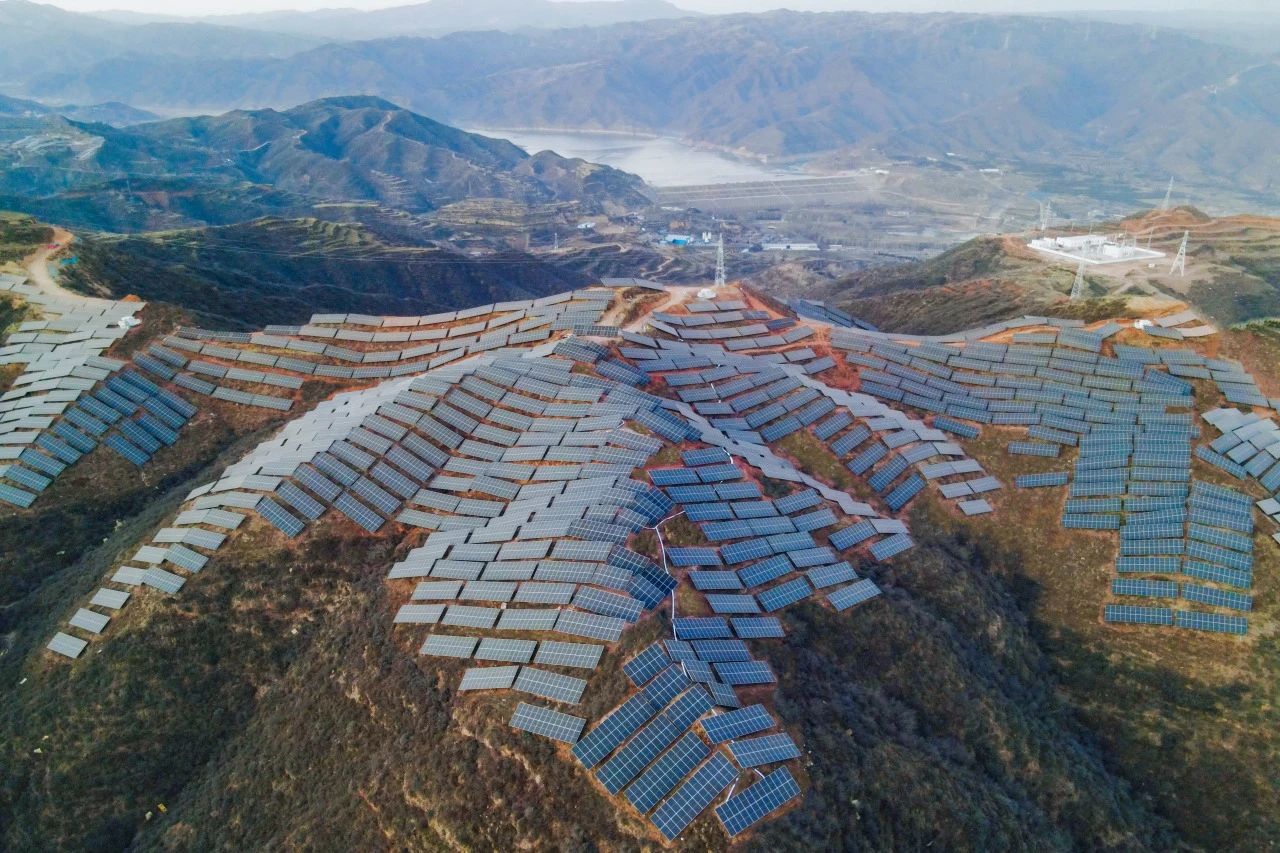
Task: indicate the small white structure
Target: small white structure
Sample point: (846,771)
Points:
(586,225)
(706,293)
(1094,249)
(790,247)
(129,322)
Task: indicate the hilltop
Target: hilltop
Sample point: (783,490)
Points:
(1232,276)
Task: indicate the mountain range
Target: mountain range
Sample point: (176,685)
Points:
(434,17)
(227,168)
(1036,92)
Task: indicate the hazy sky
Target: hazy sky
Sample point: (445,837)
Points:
(206,7)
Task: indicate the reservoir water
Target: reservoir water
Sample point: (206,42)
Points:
(661,161)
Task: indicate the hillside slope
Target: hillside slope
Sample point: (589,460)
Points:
(283,271)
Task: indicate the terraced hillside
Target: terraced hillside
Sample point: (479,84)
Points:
(723,576)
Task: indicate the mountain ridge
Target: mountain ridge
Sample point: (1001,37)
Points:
(876,86)
(351,148)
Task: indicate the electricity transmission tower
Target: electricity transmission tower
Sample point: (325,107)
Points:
(1046,213)
(1167,194)
(1180,262)
(1077,289)
(720,276)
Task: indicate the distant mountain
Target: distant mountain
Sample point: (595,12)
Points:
(221,169)
(112,113)
(439,17)
(36,38)
(1019,90)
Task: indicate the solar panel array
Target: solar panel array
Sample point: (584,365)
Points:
(1128,418)
(520,470)
(329,457)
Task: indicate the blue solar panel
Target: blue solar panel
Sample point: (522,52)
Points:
(778,597)
(127,449)
(693,796)
(756,627)
(856,593)
(891,546)
(746,808)
(766,749)
(300,500)
(735,724)
(656,782)
(700,627)
(1211,622)
(1217,597)
(358,512)
(278,517)
(1132,614)
(644,666)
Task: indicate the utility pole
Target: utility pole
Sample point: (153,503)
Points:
(1180,262)
(1077,289)
(720,276)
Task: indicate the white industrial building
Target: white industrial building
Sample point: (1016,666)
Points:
(1094,249)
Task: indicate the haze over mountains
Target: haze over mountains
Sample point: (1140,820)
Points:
(435,17)
(1037,92)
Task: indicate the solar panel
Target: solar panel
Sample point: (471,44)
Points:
(67,645)
(548,723)
(691,798)
(1132,614)
(550,685)
(700,627)
(442,645)
(775,598)
(158,578)
(654,784)
(735,724)
(746,808)
(615,728)
(358,512)
(652,739)
(755,627)
(644,666)
(488,678)
(765,749)
(745,672)
(856,593)
(1216,597)
(891,546)
(1214,622)
(577,655)
(300,500)
(279,518)
(513,651)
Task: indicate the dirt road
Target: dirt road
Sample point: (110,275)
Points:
(37,266)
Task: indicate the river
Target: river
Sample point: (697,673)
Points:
(661,161)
